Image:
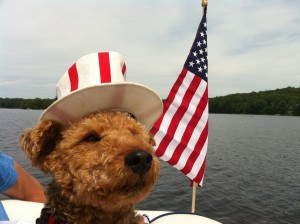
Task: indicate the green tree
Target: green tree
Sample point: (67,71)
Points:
(256,106)
(296,110)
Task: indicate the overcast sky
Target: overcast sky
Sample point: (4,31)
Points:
(253,45)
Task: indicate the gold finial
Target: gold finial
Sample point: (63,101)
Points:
(204,3)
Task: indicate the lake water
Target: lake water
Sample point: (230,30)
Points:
(252,174)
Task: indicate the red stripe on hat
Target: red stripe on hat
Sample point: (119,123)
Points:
(104,65)
(73,76)
(124,69)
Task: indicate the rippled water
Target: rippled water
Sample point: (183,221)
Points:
(252,174)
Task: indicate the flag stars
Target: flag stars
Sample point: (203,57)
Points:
(197,59)
(191,64)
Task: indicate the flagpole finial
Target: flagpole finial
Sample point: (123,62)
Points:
(204,3)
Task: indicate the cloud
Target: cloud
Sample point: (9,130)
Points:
(258,47)
(252,45)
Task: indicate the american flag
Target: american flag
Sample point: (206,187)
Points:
(181,133)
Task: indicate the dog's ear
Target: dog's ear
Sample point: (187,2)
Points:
(40,141)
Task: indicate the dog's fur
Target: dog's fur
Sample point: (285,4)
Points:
(91,182)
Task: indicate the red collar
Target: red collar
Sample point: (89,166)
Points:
(52,220)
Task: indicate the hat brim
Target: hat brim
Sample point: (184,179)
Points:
(134,98)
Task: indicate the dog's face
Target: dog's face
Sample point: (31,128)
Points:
(102,160)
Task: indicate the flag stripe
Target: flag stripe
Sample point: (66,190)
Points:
(169,114)
(183,103)
(192,125)
(165,120)
(178,137)
(198,162)
(104,66)
(191,146)
(73,76)
(169,100)
(197,150)
(200,175)
(203,124)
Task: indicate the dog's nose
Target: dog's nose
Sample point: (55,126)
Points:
(139,161)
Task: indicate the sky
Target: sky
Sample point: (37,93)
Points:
(253,45)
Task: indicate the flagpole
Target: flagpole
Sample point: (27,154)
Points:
(204,5)
(194,197)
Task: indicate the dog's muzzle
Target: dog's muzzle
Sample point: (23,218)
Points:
(139,161)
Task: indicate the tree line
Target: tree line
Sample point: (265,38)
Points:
(284,101)
(21,103)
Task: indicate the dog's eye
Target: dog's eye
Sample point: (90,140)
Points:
(92,138)
(134,132)
(132,116)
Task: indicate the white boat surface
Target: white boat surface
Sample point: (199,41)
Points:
(18,210)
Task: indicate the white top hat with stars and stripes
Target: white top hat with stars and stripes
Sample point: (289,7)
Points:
(97,82)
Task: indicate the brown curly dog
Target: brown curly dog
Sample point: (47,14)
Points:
(101,165)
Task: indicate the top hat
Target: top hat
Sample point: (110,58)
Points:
(97,82)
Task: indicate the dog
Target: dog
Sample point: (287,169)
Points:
(102,165)
(94,141)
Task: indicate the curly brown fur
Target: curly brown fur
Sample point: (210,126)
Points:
(91,182)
